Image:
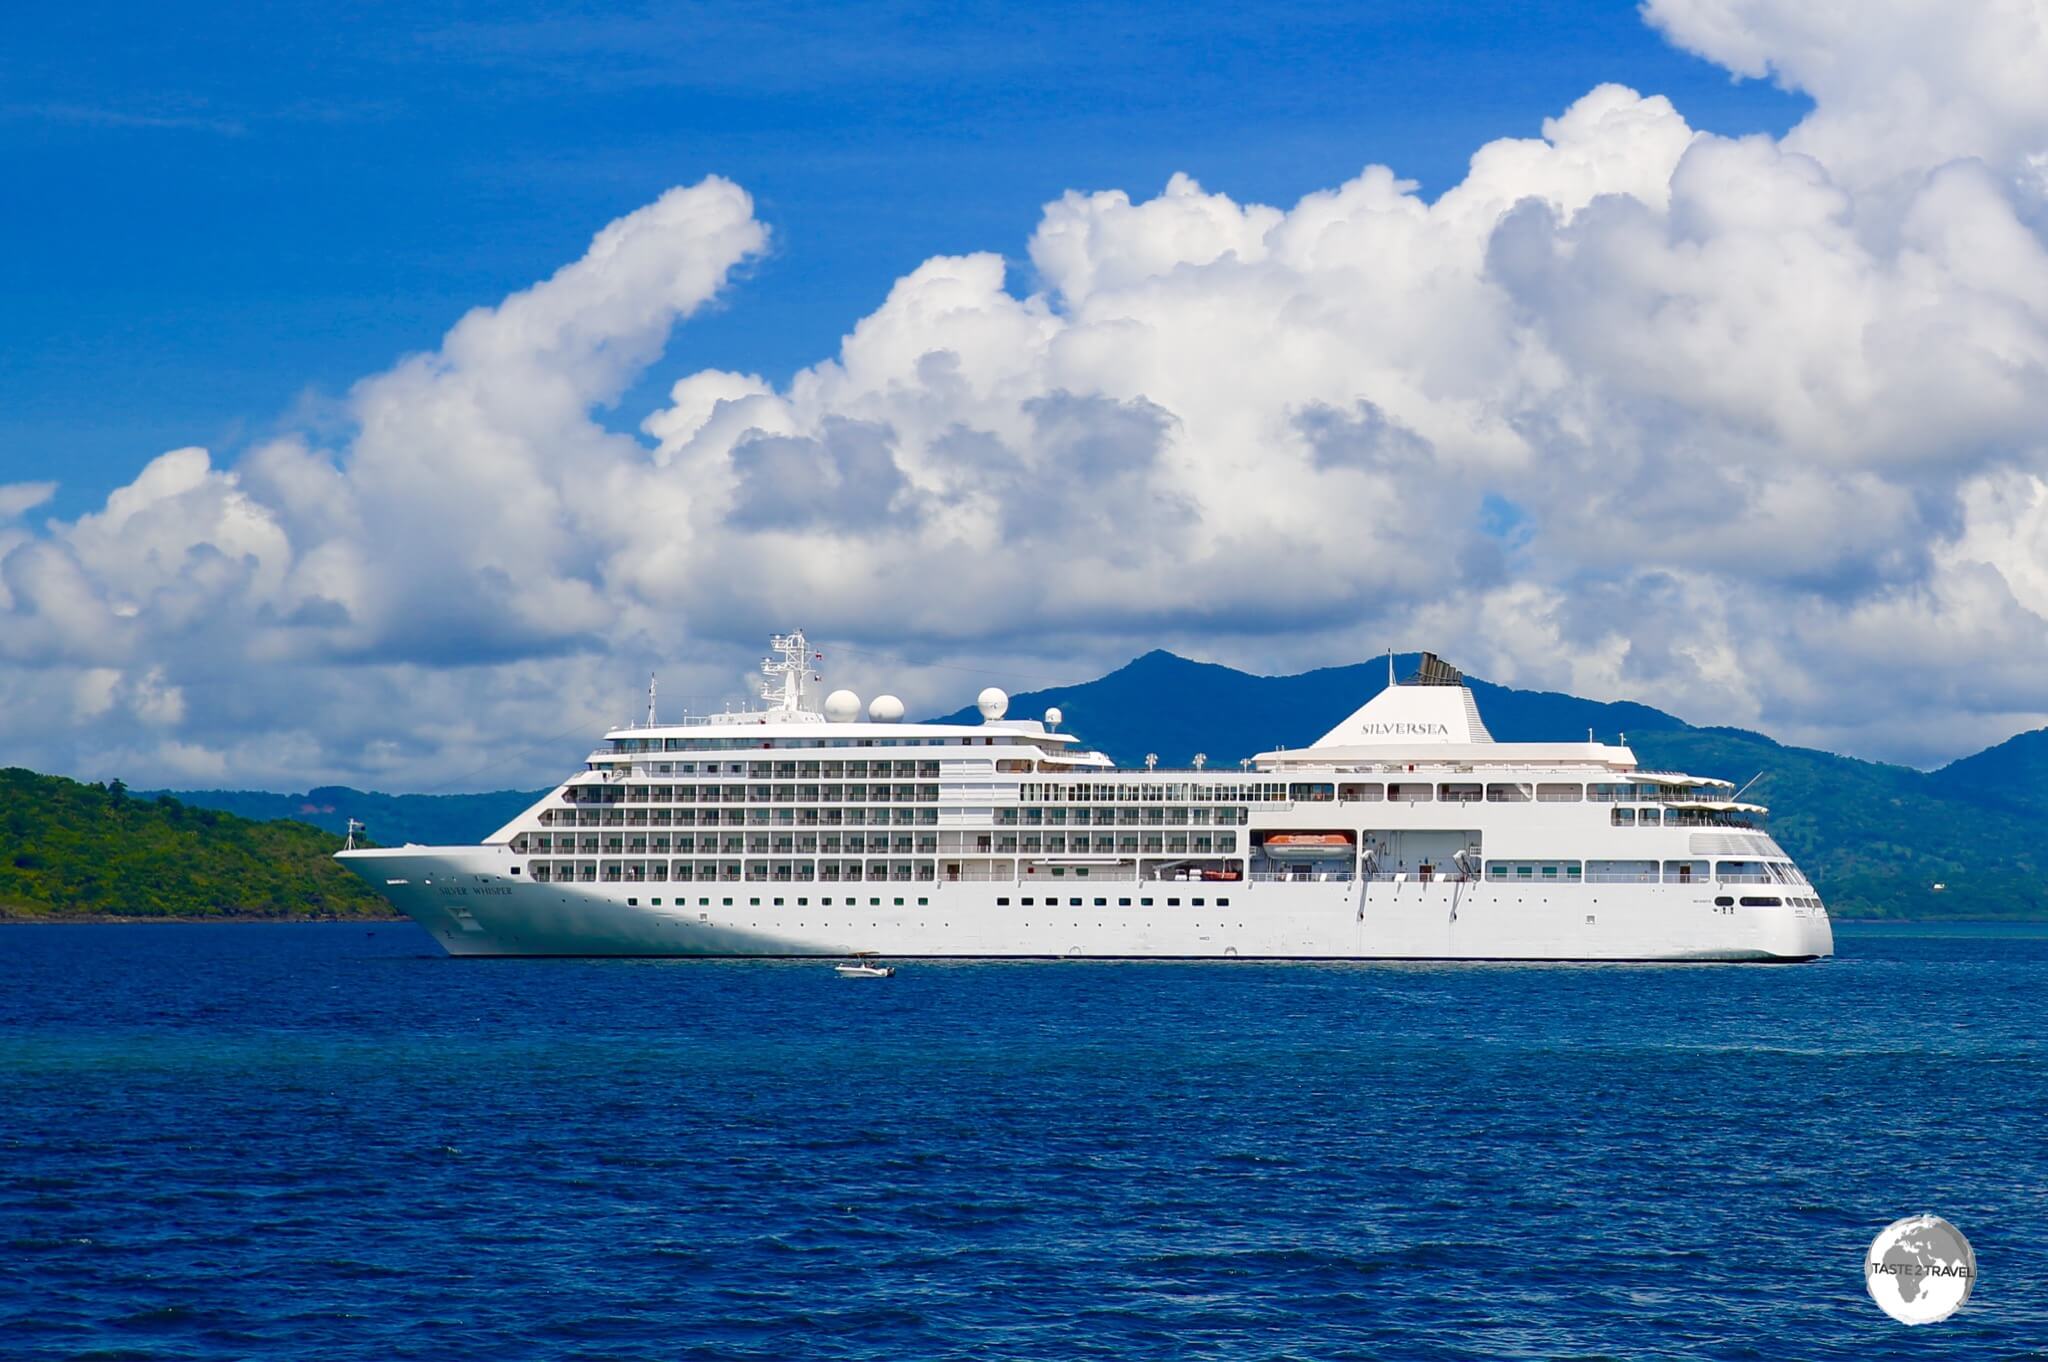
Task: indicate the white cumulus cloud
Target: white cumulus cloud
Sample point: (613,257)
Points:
(1752,428)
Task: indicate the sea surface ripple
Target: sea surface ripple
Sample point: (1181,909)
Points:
(330,1141)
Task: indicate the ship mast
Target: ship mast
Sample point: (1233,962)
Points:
(784,690)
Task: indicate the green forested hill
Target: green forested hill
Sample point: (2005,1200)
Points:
(2012,775)
(72,850)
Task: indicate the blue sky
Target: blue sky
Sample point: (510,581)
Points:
(218,220)
(379,380)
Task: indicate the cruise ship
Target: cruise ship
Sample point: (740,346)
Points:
(831,829)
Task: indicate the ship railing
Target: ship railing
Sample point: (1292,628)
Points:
(1619,877)
(1313,877)
(1744,879)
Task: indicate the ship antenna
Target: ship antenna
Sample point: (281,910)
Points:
(355,825)
(792,669)
(1745,787)
(1390,666)
(650,699)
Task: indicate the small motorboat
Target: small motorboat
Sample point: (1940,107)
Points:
(864,965)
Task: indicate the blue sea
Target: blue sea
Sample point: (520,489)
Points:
(331,1141)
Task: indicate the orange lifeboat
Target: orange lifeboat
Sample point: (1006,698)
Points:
(1309,846)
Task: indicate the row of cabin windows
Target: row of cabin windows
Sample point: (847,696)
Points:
(756,903)
(1028,902)
(857,792)
(877,842)
(1676,816)
(817,811)
(1104,903)
(1645,872)
(1148,792)
(663,745)
(1725,901)
(784,824)
(1418,792)
(788,814)
(761,770)
(1090,792)
(1476,792)
(801,872)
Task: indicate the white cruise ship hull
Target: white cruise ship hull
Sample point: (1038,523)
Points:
(473,905)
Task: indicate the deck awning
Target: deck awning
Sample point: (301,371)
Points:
(1665,778)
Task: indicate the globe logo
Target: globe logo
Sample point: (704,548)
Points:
(1920,1269)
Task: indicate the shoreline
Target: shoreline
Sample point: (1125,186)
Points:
(116,920)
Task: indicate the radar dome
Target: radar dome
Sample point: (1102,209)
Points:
(885,709)
(1053,717)
(842,707)
(992,703)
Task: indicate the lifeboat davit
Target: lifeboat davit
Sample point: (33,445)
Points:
(1309,846)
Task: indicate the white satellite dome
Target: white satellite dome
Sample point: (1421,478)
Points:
(885,709)
(992,703)
(1053,717)
(842,707)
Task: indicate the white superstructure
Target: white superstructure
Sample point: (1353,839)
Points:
(1405,832)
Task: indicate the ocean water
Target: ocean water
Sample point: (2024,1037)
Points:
(332,1142)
